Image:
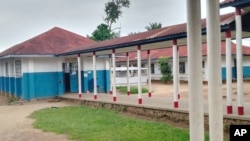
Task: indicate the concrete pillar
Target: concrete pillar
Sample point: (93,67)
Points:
(175,74)
(229,72)
(214,71)
(139,74)
(114,75)
(149,75)
(79,76)
(128,75)
(111,78)
(94,75)
(239,61)
(196,112)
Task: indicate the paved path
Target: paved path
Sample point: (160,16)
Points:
(158,101)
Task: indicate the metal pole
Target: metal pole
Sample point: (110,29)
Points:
(114,75)
(94,75)
(128,75)
(229,72)
(175,74)
(239,61)
(196,113)
(79,76)
(139,73)
(149,75)
(214,71)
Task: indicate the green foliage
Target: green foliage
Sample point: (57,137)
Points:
(165,69)
(153,26)
(102,33)
(133,90)
(113,10)
(96,124)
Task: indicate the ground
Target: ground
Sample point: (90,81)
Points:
(16,126)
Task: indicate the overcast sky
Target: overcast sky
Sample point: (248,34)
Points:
(22,19)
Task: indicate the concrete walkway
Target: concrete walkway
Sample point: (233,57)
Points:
(158,101)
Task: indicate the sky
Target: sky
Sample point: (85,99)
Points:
(21,20)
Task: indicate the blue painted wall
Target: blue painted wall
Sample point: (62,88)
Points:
(41,85)
(102,79)
(246,72)
(74,82)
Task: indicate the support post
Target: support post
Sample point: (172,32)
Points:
(196,112)
(214,71)
(149,75)
(79,75)
(229,72)
(139,73)
(94,75)
(110,74)
(175,74)
(114,75)
(239,61)
(128,75)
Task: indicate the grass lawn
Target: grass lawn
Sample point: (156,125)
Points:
(91,124)
(133,90)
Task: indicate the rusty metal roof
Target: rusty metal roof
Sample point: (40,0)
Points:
(166,33)
(51,42)
(155,54)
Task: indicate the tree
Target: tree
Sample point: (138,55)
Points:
(102,33)
(165,69)
(153,26)
(113,10)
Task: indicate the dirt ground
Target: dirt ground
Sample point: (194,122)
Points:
(16,126)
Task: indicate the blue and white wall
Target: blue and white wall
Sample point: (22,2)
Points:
(41,77)
(102,72)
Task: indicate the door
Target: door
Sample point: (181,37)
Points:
(73,77)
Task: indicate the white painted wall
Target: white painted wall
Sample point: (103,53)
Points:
(101,63)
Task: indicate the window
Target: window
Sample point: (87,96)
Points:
(182,67)
(18,67)
(6,69)
(74,68)
(203,64)
(152,68)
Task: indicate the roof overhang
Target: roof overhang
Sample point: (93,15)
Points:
(244,4)
(25,56)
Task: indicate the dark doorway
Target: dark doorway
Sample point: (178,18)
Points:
(66,70)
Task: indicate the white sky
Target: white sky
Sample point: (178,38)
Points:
(21,20)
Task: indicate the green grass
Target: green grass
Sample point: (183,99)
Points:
(133,90)
(89,124)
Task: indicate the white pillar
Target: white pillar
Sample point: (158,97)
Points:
(196,112)
(239,61)
(214,71)
(114,75)
(128,75)
(79,76)
(94,75)
(139,73)
(149,75)
(110,74)
(175,74)
(229,72)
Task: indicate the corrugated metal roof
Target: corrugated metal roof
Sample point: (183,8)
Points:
(155,54)
(51,42)
(144,36)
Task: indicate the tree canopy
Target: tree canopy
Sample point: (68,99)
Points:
(113,10)
(153,26)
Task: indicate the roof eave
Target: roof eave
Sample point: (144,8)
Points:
(234,4)
(26,56)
